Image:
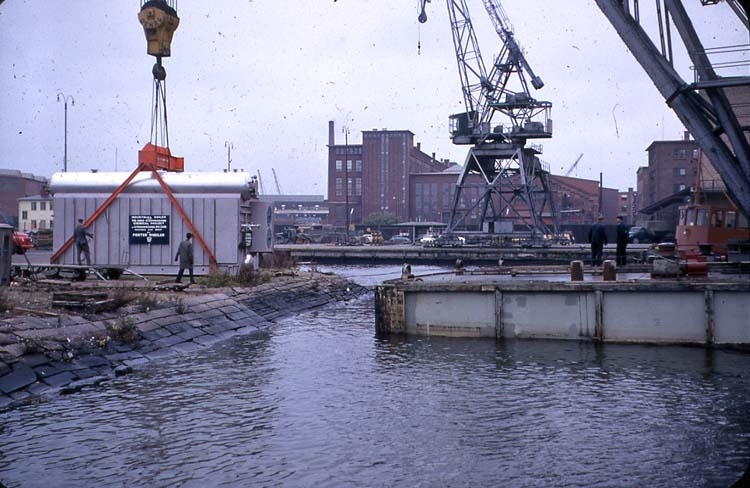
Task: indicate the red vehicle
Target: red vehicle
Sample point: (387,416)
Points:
(21,242)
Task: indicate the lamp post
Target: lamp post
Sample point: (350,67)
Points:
(229,147)
(65,98)
(345,130)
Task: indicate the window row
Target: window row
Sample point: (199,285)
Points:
(357,165)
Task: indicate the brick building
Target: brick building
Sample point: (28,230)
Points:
(672,170)
(373,177)
(14,185)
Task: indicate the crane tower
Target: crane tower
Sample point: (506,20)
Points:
(514,194)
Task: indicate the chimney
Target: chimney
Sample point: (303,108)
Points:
(687,136)
(331,140)
(419,146)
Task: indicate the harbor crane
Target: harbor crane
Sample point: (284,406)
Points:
(705,106)
(514,192)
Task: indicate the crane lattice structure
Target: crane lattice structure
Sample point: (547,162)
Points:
(702,105)
(514,186)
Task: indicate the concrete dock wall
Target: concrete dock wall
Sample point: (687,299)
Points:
(643,312)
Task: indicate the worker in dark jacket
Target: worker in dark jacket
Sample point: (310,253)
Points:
(185,255)
(598,239)
(82,242)
(622,241)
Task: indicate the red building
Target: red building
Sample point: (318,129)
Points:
(373,177)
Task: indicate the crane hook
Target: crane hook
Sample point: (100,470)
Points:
(422,14)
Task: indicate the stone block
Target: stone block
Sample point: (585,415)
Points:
(20,377)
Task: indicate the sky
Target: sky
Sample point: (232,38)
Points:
(258,81)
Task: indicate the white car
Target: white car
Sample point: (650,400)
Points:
(428,240)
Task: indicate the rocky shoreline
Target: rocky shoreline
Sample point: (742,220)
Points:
(44,353)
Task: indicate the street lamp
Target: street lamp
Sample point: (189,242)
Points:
(229,147)
(64,98)
(345,130)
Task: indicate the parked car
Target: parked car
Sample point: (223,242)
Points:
(21,242)
(449,240)
(399,239)
(428,240)
(42,238)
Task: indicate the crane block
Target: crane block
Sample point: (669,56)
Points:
(157,157)
(159,22)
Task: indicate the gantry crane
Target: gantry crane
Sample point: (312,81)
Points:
(515,183)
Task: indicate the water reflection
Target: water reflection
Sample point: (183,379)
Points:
(323,401)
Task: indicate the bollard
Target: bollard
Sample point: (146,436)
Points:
(609,271)
(576,271)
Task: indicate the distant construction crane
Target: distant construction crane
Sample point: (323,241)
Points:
(260,183)
(276,180)
(573,166)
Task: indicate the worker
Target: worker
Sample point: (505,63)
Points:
(82,243)
(185,256)
(622,241)
(598,239)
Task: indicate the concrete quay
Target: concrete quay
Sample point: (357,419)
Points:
(709,311)
(470,255)
(47,355)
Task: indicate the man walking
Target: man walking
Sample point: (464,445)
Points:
(598,239)
(82,243)
(622,241)
(185,255)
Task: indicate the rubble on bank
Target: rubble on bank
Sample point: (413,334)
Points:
(55,340)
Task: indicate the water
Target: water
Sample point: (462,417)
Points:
(322,401)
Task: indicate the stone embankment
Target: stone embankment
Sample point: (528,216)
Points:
(47,353)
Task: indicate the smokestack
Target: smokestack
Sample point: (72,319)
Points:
(687,136)
(331,140)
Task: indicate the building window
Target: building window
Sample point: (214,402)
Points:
(33,205)
(24,215)
(42,205)
(33,225)
(349,165)
(339,187)
(680,154)
(358,165)
(680,171)
(358,187)
(50,207)
(42,224)
(339,165)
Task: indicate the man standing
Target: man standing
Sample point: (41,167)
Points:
(82,243)
(185,255)
(622,241)
(598,239)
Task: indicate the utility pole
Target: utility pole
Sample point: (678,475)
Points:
(345,130)
(229,147)
(64,98)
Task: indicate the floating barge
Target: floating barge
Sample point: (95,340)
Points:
(707,311)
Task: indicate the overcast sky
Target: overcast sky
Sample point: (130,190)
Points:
(268,75)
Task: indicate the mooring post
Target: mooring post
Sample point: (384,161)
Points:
(609,271)
(576,271)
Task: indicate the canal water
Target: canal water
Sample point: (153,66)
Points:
(322,401)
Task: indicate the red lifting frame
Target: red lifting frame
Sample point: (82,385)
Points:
(150,158)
